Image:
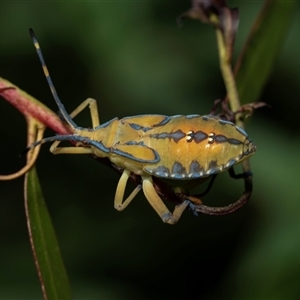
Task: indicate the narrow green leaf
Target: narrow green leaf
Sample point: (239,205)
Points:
(255,63)
(47,256)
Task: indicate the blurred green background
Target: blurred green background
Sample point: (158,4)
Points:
(133,58)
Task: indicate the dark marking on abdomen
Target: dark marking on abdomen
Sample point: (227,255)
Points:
(176,136)
(178,170)
(213,168)
(196,170)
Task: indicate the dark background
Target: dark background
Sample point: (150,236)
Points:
(133,58)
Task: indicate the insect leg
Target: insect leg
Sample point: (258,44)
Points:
(69,150)
(119,204)
(92,103)
(238,176)
(158,205)
(211,182)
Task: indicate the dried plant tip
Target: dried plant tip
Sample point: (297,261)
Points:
(219,15)
(250,107)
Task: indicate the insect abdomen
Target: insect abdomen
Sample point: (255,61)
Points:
(196,146)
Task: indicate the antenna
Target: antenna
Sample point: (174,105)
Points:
(61,107)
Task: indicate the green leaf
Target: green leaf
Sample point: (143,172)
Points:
(255,63)
(46,252)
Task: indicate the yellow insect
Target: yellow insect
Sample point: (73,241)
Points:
(181,148)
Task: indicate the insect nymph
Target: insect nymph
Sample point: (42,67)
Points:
(179,147)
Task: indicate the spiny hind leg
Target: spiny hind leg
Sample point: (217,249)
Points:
(92,103)
(119,204)
(158,204)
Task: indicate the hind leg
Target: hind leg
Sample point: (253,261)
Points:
(158,205)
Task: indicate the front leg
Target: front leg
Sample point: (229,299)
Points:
(159,206)
(92,104)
